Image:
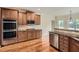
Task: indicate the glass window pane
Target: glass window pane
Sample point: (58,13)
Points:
(61,23)
(77,23)
(71,24)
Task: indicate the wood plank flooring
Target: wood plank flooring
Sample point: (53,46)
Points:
(36,45)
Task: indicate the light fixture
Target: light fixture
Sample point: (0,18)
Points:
(70,14)
(71,19)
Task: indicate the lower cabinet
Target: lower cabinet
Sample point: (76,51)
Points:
(29,34)
(63,43)
(22,36)
(74,45)
(38,34)
(34,34)
(51,38)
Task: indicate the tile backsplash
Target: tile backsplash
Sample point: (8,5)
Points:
(24,27)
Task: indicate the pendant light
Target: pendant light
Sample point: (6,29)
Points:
(70,20)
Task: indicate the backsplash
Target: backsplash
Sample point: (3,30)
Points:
(24,27)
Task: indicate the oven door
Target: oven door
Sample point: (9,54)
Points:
(9,24)
(10,34)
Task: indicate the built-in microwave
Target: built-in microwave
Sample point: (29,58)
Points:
(30,22)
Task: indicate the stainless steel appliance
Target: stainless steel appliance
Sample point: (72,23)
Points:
(9,31)
(53,39)
(56,40)
(30,22)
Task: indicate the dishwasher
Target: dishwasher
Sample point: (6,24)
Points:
(55,41)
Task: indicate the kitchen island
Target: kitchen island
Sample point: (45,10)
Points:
(67,41)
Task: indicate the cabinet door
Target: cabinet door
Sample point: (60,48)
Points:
(6,14)
(37,19)
(51,38)
(30,34)
(20,19)
(39,34)
(14,14)
(30,16)
(63,43)
(22,36)
(24,19)
(74,45)
(0,28)
(0,13)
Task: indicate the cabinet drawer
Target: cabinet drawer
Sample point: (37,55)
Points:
(66,42)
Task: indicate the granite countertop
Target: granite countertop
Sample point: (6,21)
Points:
(28,29)
(74,35)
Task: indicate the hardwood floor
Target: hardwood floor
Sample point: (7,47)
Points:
(36,45)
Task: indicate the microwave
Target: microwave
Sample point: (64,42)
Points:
(30,22)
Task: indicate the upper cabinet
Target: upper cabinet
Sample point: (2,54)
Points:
(30,16)
(14,14)
(37,19)
(9,14)
(0,13)
(34,17)
(22,18)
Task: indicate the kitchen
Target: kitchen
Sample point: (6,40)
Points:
(54,28)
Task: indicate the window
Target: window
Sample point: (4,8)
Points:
(77,24)
(71,24)
(61,23)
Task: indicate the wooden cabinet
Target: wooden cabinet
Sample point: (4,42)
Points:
(30,34)
(22,36)
(22,18)
(74,45)
(34,34)
(51,38)
(30,16)
(0,28)
(37,19)
(63,43)
(14,14)
(38,33)
(0,13)
(9,14)
(34,17)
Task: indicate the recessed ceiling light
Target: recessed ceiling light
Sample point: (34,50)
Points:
(38,9)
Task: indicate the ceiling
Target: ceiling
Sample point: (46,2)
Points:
(50,10)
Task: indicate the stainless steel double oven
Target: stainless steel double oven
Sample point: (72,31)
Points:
(9,32)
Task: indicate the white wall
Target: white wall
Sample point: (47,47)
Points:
(46,24)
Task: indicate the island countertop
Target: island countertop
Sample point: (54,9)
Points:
(72,34)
